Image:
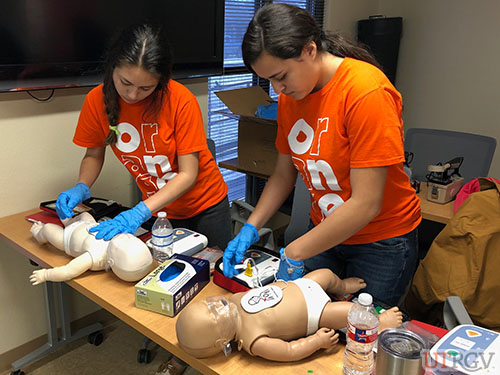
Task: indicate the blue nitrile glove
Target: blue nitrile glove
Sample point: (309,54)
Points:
(289,269)
(68,200)
(126,222)
(237,247)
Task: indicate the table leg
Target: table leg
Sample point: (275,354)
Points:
(53,339)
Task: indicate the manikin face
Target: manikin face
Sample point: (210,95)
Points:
(204,328)
(295,77)
(133,83)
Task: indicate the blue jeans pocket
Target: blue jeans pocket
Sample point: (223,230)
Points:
(394,243)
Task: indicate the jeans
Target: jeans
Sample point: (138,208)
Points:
(214,223)
(387,266)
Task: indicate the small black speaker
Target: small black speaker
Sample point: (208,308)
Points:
(382,35)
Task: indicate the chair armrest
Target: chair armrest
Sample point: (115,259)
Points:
(454,313)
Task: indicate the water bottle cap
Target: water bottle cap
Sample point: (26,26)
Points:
(365,299)
(162,214)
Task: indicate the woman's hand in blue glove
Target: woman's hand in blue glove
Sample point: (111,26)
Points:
(237,247)
(289,269)
(68,200)
(126,222)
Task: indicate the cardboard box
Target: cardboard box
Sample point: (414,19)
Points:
(256,136)
(170,286)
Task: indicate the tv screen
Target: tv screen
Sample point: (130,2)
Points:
(60,43)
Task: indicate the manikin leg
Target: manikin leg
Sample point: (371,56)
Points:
(51,233)
(335,313)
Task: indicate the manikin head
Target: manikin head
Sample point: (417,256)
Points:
(205,328)
(129,257)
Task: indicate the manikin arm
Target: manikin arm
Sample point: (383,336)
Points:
(71,270)
(284,351)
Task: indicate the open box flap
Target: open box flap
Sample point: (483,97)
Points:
(244,101)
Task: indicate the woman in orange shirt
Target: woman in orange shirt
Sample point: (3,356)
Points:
(154,126)
(340,127)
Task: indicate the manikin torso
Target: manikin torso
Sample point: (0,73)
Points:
(287,320)
(77,240)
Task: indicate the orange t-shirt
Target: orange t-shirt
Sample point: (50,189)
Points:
(353,122)
(149,149)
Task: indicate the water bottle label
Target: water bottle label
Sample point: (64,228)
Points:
(162,241)
(364,336)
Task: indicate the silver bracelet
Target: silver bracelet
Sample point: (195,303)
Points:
(291,267)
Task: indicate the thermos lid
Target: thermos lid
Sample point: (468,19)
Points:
(400,343)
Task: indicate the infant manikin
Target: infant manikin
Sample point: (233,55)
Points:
(127,256)
(282,321)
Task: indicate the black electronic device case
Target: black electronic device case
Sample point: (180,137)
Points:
(264,259)
(100,209)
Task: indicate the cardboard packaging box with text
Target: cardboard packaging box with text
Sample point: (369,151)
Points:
(170,286)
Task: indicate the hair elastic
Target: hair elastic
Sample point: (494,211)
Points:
(114,128)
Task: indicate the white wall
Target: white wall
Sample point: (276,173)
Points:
(447,71)
(341,15)
(39,160)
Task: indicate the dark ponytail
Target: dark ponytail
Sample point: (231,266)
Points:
(340,46)
(140,45)
(282,30)
(112,105)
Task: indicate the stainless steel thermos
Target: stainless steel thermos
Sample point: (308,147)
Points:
(399,352)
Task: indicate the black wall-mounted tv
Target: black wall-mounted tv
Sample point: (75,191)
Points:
(59,43)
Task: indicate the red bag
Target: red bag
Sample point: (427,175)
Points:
(470,187)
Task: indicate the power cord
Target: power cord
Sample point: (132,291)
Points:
(51,95)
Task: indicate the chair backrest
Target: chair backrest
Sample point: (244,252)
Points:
(432,146)
(299,219)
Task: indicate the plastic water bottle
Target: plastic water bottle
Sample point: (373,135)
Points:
(163,238)
(362,332)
